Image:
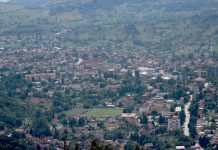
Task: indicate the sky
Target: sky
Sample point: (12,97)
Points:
(4,0)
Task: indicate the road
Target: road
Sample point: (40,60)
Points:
(187,118)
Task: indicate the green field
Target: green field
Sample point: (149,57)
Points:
(76,112)
(103,112)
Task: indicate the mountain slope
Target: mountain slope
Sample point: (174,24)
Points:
(12,112)
(160,24)
(29,3)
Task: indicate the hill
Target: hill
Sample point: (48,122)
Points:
(29,3)
(159,25)
(12,112)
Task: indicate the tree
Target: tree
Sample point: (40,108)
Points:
(204,141)
(134,136)
(18,135)
(56,134)
(72,122)
(172,109)
(38,147)
(23,95)
(178,93)
(15,143)
(127,110)
(161,130)
(2,126)
(81,122)
(212,126)
(182,117)
(137,74)
(101,125)
(85,56)
(144,119)
(162,120)
(114,135)
(129,146)
(154,113)
(40,126)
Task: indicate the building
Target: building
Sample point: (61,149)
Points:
(180,147)
(45,76)
(173,123)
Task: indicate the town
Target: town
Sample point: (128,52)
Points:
(152,99)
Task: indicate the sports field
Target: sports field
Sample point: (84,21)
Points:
(76,112)
(103,112)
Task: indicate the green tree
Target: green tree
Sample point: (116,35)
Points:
(182,117)
(40,127)
(144,119)
(154,113)
(162,120)
(101,125)
(129,146)
(81,122)
(204,141)
(56,134)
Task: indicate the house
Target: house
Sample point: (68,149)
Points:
(196,147)
(111,119)
(2,132)
(173,123)
(170,102)
(167,114)
(129,115)
(110,106)
(127,101)
(148,146)
(200,112)
(180,147)
(199,80)
(159,107)
(46,76)
(144,108)
(178,109)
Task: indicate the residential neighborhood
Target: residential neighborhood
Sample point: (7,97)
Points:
(108,75)
(91,92)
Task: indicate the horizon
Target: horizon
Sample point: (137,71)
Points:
(4,1)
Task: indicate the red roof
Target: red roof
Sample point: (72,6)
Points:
(126,100)
(145,105)
(157,106)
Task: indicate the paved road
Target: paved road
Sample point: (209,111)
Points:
(187,118)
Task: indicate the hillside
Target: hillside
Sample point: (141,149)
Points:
(12,112)
(29,3)
(159,25)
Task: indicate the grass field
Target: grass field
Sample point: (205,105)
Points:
(103,112)
(215,48)
(76,112)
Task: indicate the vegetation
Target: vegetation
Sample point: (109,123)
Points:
(156,30)
(167,36)
(8,117)
(16,142)
(40,126)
